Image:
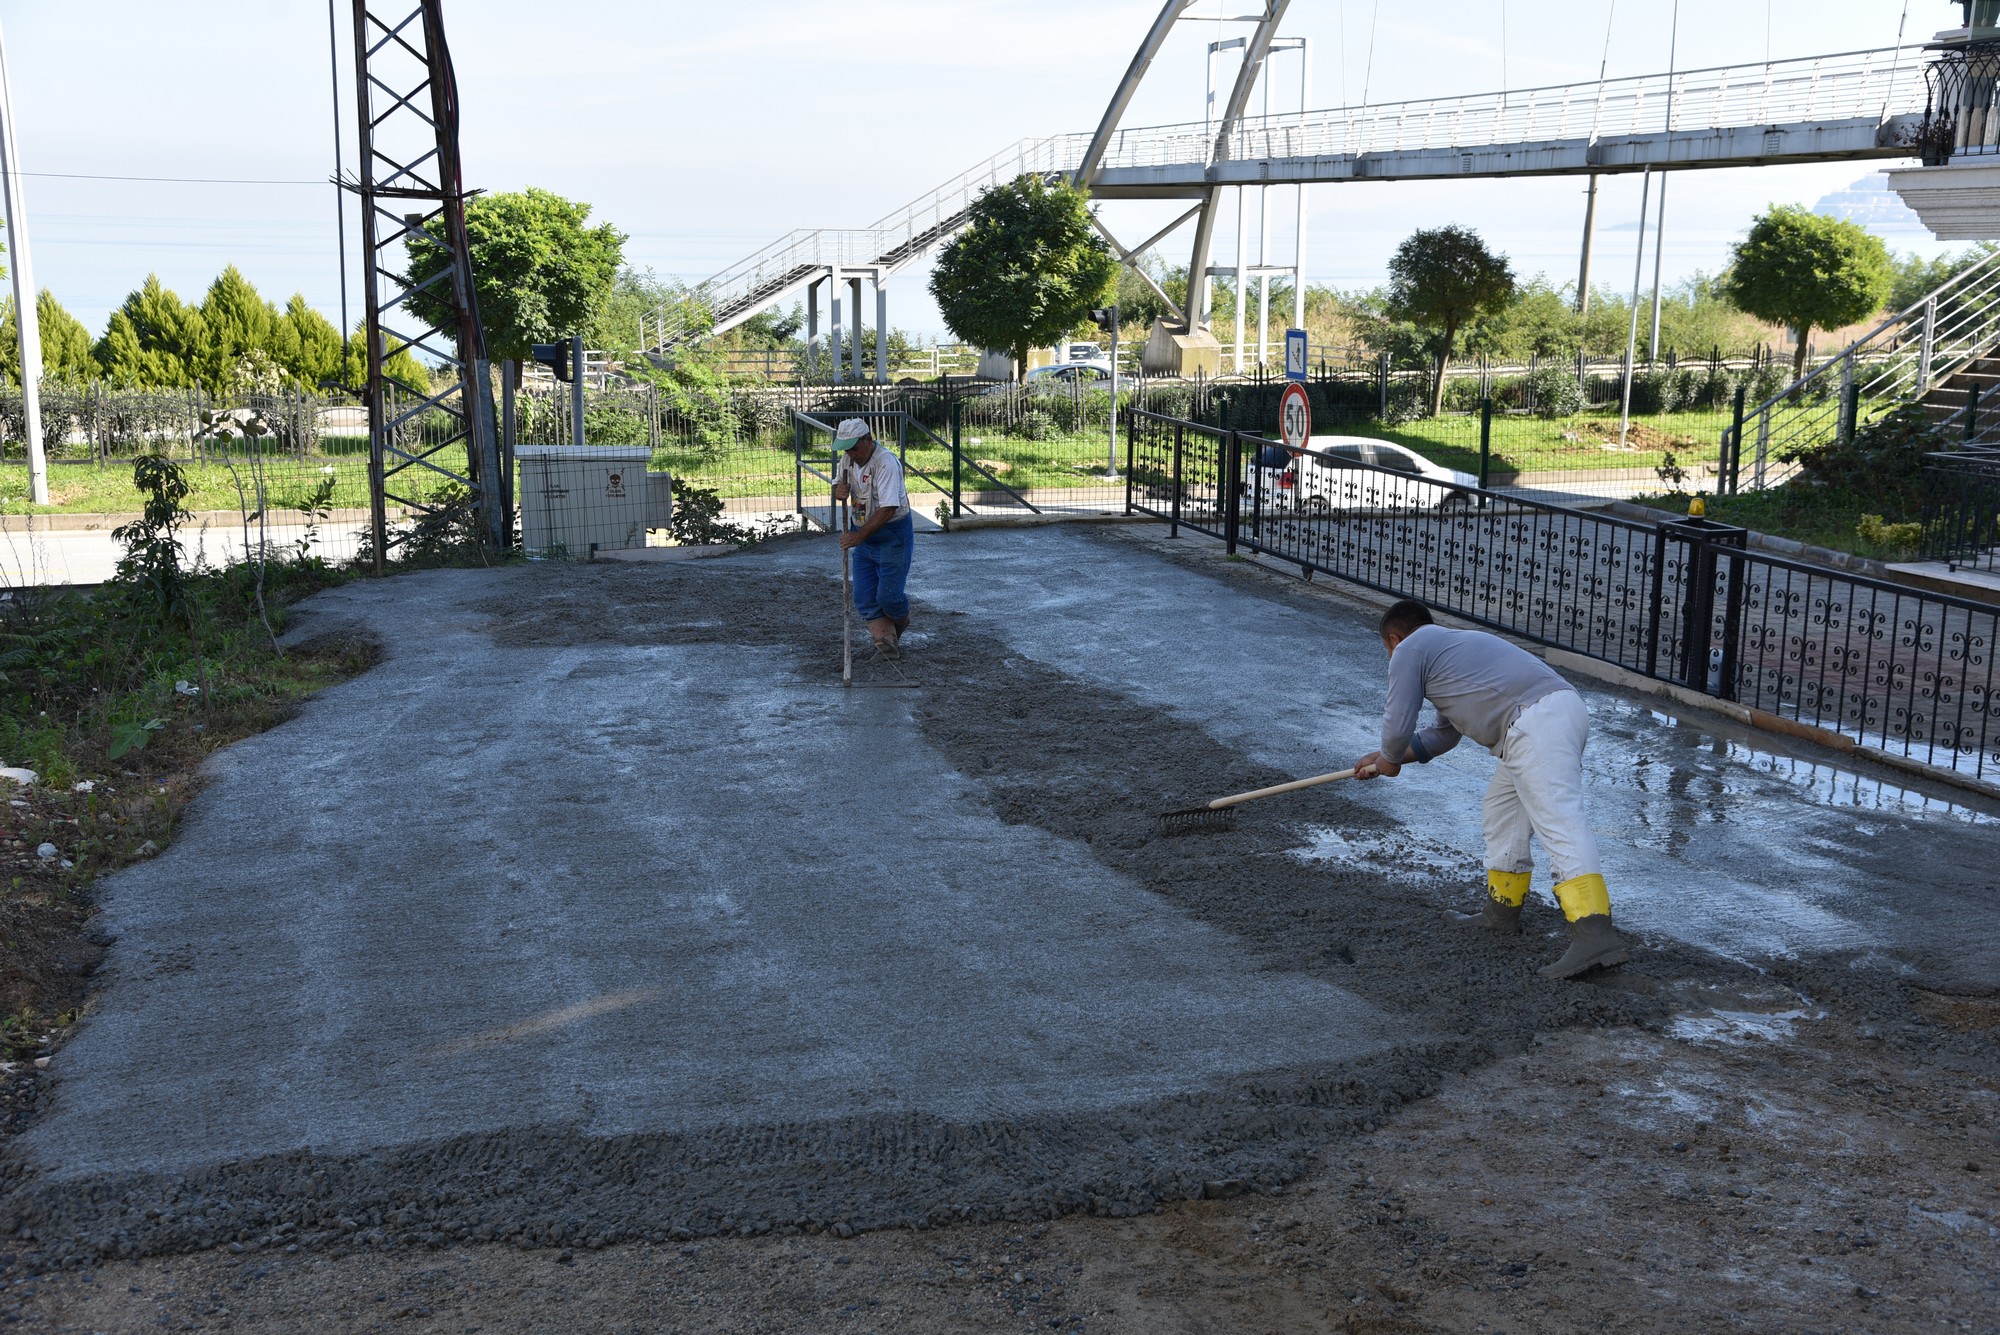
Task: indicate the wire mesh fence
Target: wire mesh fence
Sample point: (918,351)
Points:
(298,462)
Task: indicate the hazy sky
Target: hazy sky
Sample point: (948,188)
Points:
(706,130)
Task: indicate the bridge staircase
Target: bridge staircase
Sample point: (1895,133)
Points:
(790,264)
(1933,353)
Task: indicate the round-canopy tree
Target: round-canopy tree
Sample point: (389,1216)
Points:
(1442,280)
(1027,268)
(539,270)
(1807,271)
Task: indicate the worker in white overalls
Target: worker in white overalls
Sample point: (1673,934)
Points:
(879,533)
(1520,709)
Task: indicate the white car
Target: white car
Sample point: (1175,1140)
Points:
(1327,477)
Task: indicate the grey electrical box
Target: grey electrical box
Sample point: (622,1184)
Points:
(576,499)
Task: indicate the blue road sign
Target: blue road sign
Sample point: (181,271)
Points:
(1295,354)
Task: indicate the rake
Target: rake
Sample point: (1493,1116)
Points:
(1220,814)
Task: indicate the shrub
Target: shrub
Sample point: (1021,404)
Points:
(1409,401)
(1172,400)
(1553,391)
(1716,389)
(1883,461)
(1035,424)
(1898,540)
(759,416)
(1461,394)
(1765,382)
(1656,391)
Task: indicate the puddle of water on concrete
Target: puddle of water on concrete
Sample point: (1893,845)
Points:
(1738,1028)
(1826,783)
(1396,855)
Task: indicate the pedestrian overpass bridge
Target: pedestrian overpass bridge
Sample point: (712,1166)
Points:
(1847,106)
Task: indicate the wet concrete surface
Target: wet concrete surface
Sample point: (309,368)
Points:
(602,911)
(1714,834)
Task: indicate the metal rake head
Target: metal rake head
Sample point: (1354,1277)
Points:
(1198,820)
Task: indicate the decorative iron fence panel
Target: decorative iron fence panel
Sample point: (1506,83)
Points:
(1904,671)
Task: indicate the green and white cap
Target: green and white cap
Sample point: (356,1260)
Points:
(849,431)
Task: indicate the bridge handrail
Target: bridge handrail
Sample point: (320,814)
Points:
(1847,83)
(1875,83)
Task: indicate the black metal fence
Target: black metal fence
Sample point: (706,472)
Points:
(1961,523)
(1901,670)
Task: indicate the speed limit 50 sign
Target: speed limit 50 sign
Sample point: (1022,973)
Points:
(1295,418)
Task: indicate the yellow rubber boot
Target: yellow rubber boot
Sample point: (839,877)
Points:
(1593,943)
(1505,893)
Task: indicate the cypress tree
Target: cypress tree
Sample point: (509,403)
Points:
(238,321)
(154,340)
(306,344)
(66,355)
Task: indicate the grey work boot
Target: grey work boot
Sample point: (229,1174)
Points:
(1496,916)
(1593,943)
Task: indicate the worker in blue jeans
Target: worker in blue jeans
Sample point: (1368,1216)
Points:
(878,532)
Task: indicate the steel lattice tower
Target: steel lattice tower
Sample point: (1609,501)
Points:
(409,179)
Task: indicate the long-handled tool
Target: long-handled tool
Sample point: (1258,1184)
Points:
(846,615)
(1221,813)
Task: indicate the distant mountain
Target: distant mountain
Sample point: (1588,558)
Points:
(1870,202)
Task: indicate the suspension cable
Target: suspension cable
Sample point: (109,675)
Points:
(1368,76)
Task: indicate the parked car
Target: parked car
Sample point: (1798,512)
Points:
(1327,477)
(1085,352)
(1088,372)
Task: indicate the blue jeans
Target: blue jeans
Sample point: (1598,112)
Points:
(881,569)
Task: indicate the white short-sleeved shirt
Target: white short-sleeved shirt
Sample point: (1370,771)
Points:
(877,484)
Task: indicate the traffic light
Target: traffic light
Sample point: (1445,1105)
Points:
(1105,315)
(555,356)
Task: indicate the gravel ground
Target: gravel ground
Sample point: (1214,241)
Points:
(1687,1143)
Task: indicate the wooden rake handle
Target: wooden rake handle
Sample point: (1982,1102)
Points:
(1221,802)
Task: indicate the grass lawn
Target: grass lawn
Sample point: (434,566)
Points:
(88,488)
(1523,444)
(1813,515)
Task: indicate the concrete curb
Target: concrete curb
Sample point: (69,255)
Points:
(86,523)
(969,522)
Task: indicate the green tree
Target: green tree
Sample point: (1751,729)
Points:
(66,355)
(1806,271)
(153,341)
(540,271)
(400,366)
(1443,280)
(614,324)
(238,322)
(1026,269)
(1540,319)
(306,345)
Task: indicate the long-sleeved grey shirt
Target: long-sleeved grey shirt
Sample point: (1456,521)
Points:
(1479,683)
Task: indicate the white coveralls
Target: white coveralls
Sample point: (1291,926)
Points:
(1534,723)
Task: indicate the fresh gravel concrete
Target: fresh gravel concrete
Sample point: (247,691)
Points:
(600,911)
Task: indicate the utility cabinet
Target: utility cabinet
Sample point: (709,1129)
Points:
(580,499)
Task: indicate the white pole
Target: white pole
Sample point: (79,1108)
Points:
(1242,252)
(1111,464)
(18,264)
(1299,246)
(1659,244)
(1632,335)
